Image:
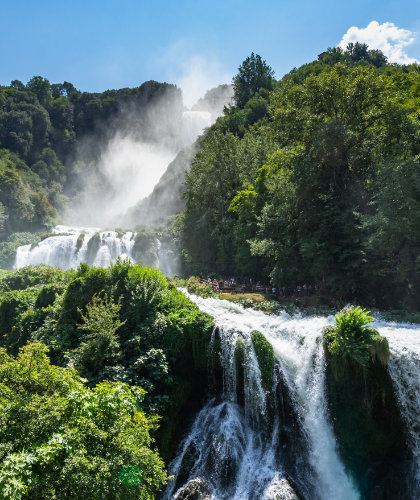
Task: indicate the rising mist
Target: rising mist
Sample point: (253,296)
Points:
(116,169)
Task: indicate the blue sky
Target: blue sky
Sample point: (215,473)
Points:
(105,44)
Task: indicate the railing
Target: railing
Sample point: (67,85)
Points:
(299,291)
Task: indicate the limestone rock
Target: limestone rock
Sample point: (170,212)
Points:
(195,489)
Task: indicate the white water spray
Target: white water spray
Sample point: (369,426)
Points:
(224,433)
(237,438)
(404,368)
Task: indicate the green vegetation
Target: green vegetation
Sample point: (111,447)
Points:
(365,414)
(194,286)
(60,439)
(239,360)
(9,246)
(265,356)
(351,341)
(310,179)
(125,324)
(314,180)
(253,75)
(41,127)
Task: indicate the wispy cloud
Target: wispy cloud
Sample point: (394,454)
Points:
(387,37)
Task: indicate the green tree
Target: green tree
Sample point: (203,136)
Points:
(253,75)
(59,439)
(41,88)
(99,347)
(3,220)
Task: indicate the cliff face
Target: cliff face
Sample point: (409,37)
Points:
(370,431)
(166,197)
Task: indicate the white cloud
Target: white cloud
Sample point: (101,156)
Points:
(386,37)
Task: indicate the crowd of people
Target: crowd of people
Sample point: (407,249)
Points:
(248,285)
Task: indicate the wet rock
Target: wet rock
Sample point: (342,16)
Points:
(195,489)
(280,489)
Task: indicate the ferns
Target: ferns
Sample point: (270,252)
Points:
(350,340)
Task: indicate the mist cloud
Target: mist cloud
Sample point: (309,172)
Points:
(386,37)
(193,73)
(132,155)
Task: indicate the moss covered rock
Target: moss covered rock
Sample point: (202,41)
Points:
(239,360)
(265,356)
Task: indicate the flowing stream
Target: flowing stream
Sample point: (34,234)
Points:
(264,448)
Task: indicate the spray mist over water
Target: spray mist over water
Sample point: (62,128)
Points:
(242,455)
(132,169)
(139,145)
(116,171)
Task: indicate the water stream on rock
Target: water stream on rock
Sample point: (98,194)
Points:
(268,446)
(71,245)
(404,368)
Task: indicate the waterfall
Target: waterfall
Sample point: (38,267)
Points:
(239,451)
(404,368)
(253,451)
(68,246)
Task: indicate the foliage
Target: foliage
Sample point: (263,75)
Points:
(31,276)
(59,439)
(253,300)
(318,185)
(9,246)
(253,75)
(125,323)
(239,361)
(351,340)
(42,126)
(194,286)
(265,356)
(99,346)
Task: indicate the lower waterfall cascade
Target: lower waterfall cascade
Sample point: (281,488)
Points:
(69,246)
(255,449)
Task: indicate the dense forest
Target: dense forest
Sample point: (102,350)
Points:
(313,179)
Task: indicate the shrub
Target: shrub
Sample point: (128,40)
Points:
(197,288)
(351,340)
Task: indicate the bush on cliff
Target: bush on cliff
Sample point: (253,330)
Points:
(351,340)
(265,356)
(370,431)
